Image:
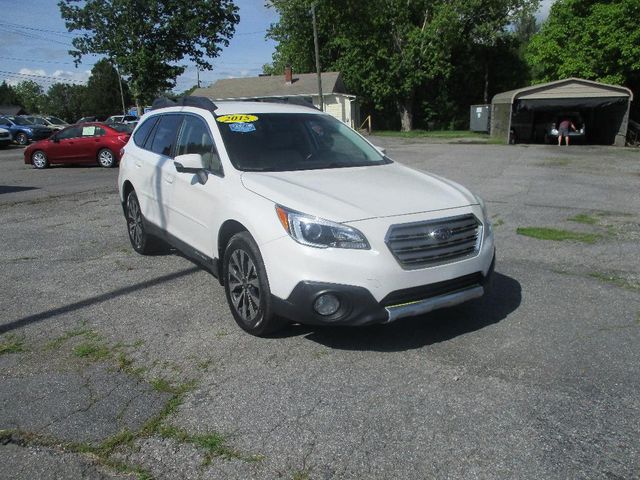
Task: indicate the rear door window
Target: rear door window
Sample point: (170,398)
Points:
(71,132)
(143,131)
(165,134)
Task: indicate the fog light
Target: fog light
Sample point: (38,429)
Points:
(326,304)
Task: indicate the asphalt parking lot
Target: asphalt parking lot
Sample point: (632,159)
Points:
(114,365)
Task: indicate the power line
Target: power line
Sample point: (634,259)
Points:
(28,76)
(28,35)
(23,59)
(57,32)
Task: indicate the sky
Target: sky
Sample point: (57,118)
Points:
(34,45)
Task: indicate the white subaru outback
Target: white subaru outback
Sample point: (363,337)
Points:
(299,217)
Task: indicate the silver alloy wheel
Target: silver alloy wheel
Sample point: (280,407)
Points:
(22,139)
(134,221)
(105,158)
(244,286)
(39,159)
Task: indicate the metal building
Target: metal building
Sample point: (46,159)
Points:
(523,115)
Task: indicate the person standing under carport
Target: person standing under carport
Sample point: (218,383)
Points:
(563,130)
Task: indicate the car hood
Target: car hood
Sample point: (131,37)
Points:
(358,193)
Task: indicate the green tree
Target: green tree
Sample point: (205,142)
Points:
(30,96)
(147,39)
(66,101)
(103,90)
(486,32)
(390,51)
(596,40)
(8,94)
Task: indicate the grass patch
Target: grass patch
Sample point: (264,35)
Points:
(557,235)
(92,350)
(62,339)
(205,364)
(97,453)
(11,344)
(430,134)
(304,474)
(615,280)
(221,334)
(584,218)
(162,385)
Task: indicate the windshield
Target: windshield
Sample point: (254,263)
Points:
(272,142)
(20,121)
(56,121)
(37,121)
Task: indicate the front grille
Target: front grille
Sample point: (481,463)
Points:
(423,292)
(435,242)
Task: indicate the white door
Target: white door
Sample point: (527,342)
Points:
(193,203)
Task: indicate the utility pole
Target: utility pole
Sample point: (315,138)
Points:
(124,112)
(315,42)
(198,75)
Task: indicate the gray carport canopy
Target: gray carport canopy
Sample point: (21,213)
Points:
(571,94)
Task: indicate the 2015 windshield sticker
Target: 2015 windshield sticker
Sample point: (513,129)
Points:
(236,118)
(242,127)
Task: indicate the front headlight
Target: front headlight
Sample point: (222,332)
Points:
(319,233)
(485,213)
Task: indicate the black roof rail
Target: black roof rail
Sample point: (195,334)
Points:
(300,101)
(198,102)
(162,102)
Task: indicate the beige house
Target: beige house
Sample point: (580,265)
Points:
(337,102)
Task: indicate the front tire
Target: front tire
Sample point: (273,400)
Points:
(39,160)
(22,139)
(106,158)
(247,287)
(141,241)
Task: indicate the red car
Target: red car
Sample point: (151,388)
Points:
(80,143)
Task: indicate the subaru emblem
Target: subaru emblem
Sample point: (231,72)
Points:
(441,234)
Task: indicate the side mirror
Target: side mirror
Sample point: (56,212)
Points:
(55,139)
(383,151)
(191,163)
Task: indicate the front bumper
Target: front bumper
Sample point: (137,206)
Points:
(358,307)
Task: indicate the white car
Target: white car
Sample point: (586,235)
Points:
(122,119)
(299,217)
(5,137)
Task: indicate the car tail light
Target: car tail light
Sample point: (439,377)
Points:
(123,138)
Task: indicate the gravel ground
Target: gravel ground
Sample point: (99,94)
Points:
(114,365)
